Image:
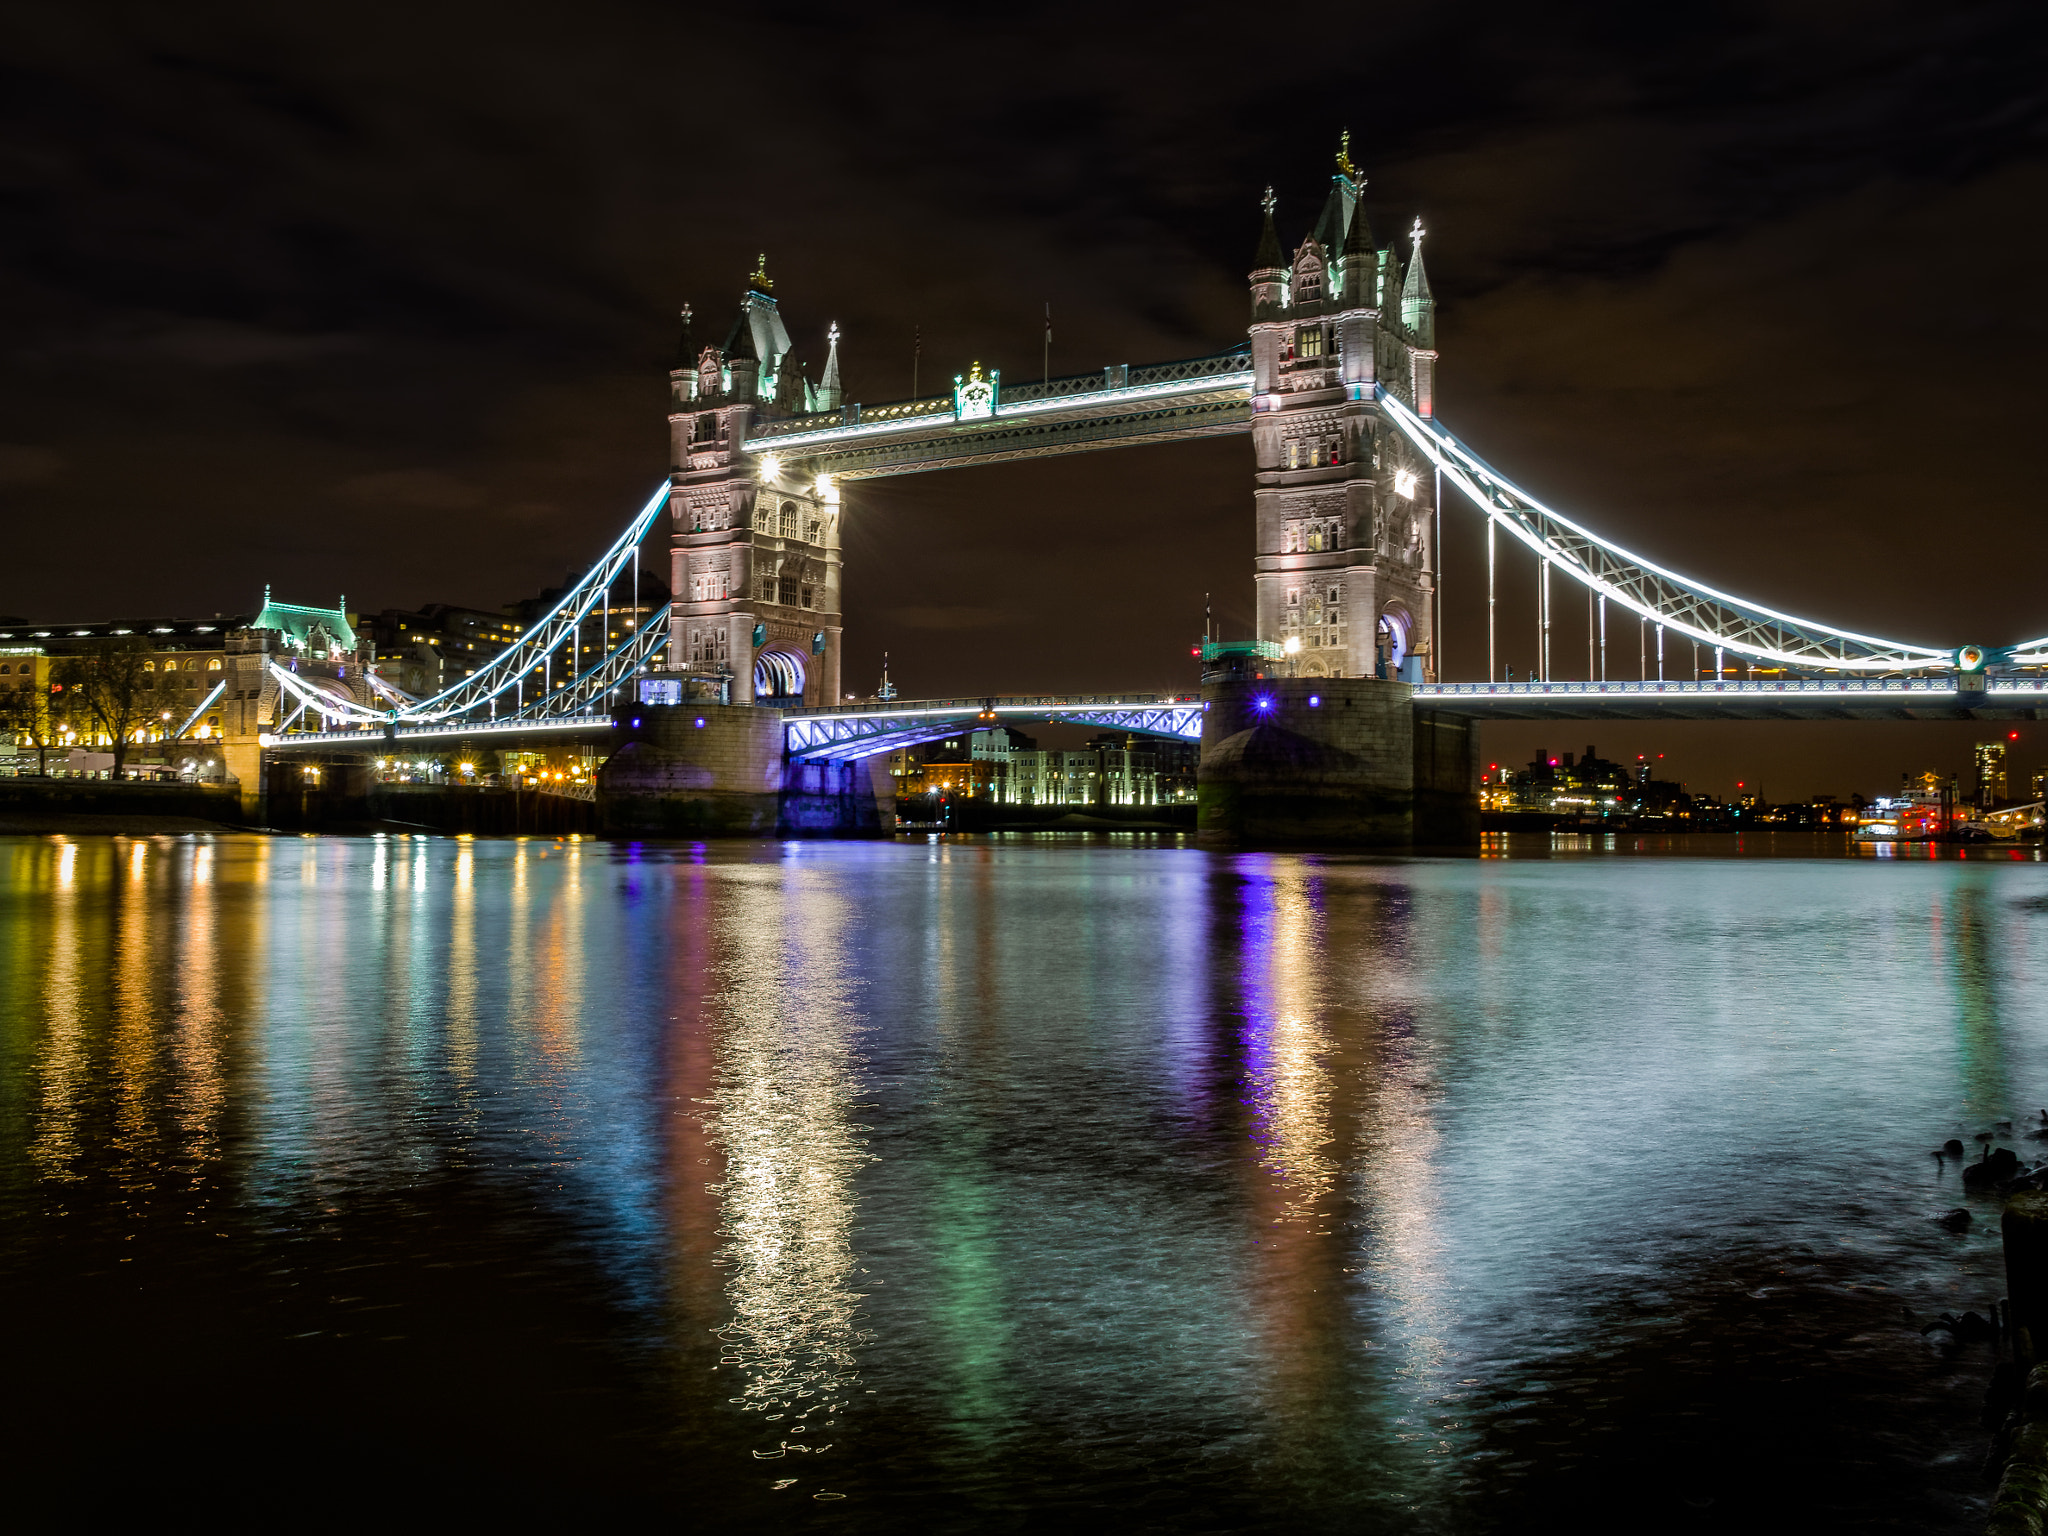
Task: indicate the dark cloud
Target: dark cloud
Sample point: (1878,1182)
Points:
(382,302)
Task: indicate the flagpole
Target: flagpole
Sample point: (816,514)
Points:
(1046,377)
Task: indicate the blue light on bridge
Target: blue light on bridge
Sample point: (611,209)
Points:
(1263,703)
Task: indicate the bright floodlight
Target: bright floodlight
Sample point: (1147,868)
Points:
(771,466)
(1293,644)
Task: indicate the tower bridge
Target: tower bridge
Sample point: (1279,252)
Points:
(1342,726)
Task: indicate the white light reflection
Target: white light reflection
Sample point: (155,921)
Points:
(786,1075)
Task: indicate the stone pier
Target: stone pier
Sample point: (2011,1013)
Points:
(1335,762)
(698,769)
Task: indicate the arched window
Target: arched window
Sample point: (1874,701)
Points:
(213,665)
(149,666)
(170,666)
(789,520)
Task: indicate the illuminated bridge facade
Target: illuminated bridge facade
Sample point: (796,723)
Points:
(1333,383)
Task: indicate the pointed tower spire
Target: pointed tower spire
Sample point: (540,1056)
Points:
(1360,262)
(686,351)
(830,396)
(1268,258)
(1418,305)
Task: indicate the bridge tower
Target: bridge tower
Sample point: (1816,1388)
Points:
(755,552)
(1345,566)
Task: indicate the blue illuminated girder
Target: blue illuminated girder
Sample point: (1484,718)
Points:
(869,730)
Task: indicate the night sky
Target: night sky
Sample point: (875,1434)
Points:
(380,301)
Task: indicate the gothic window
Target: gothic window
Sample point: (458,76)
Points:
(814,530)
(789,519)
(213,665)
(786,591)
(1308,284)
(1294,597)
(1308,341)
(808,594)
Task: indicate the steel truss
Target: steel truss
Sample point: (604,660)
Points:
(1678,603)
(527,658)
(841,735)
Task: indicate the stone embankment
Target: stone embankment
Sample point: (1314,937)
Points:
(2020,1507)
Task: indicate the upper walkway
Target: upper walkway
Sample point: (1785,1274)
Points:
(1122,406)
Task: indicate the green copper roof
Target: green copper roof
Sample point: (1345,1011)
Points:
(298,623)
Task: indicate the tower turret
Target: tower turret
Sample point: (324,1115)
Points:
(830,394)
(1361,261)
(682,373)
(742,362)
(1418,305)
(1269,267)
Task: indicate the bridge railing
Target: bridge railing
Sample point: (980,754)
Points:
(1743,686)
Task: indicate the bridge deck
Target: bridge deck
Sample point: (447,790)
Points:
(1877,698)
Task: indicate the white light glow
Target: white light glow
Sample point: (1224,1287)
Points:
(771,467)
(1404,483)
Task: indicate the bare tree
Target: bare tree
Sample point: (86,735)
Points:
(26,714)
(105,679)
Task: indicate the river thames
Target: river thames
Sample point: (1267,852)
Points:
(1000,1185)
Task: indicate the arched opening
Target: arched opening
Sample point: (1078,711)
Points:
(778,676)
(1392,641)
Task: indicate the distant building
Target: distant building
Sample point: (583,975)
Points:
(204,685)
(1989,759)
(1010,768)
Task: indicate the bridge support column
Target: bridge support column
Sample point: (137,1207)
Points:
(832,800)
(1335,762)
(242,757)
(694,769)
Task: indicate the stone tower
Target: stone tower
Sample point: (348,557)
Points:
(1346,560)
(755,550)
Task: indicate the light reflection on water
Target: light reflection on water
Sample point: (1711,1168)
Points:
(968,1176)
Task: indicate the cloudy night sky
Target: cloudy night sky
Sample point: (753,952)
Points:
(380,301)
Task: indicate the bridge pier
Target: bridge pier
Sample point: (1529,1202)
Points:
(698,769)
(1335,762)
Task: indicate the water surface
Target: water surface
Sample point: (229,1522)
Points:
(1004,1184)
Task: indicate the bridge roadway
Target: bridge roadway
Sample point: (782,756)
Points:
(1951,696)
(866,729)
